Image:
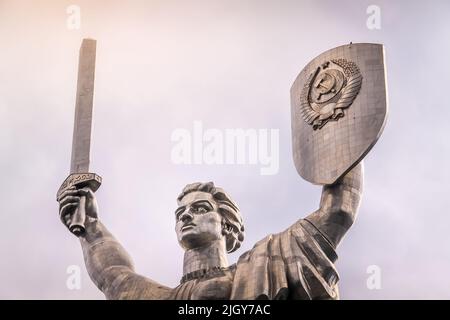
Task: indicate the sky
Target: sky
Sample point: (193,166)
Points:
(162,66)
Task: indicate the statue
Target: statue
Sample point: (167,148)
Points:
(297,263)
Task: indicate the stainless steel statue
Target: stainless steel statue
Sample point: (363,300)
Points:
(338,112)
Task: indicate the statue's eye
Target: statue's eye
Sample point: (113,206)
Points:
(201,210)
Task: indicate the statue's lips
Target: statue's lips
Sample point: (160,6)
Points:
(188,226)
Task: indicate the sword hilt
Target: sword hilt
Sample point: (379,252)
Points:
(79,180)
(78,218)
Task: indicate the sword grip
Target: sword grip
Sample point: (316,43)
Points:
(78,218)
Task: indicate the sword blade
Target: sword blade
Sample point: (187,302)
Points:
(81,142)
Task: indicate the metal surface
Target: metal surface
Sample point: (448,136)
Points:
(297,263)
(338,111)
(81,143)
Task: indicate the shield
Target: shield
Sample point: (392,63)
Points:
(338,110)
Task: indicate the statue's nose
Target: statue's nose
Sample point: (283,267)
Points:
(186,216)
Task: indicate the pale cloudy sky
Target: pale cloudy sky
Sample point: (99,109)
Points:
(161,65)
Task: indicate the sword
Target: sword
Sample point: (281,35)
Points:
(79,166)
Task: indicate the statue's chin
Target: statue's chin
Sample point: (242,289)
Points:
(190,239)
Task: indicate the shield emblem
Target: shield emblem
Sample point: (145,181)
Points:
(338,110)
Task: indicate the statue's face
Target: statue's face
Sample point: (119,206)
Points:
(198,221)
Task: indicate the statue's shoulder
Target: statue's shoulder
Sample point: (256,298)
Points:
(301,233)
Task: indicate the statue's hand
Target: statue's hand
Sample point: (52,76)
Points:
(69,201)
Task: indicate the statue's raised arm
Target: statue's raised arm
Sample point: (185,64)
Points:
(107,262)
(339,206)
(338,112)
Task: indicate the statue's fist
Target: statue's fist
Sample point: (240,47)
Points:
(69,200)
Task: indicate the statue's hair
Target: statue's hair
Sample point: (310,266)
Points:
(227,209)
